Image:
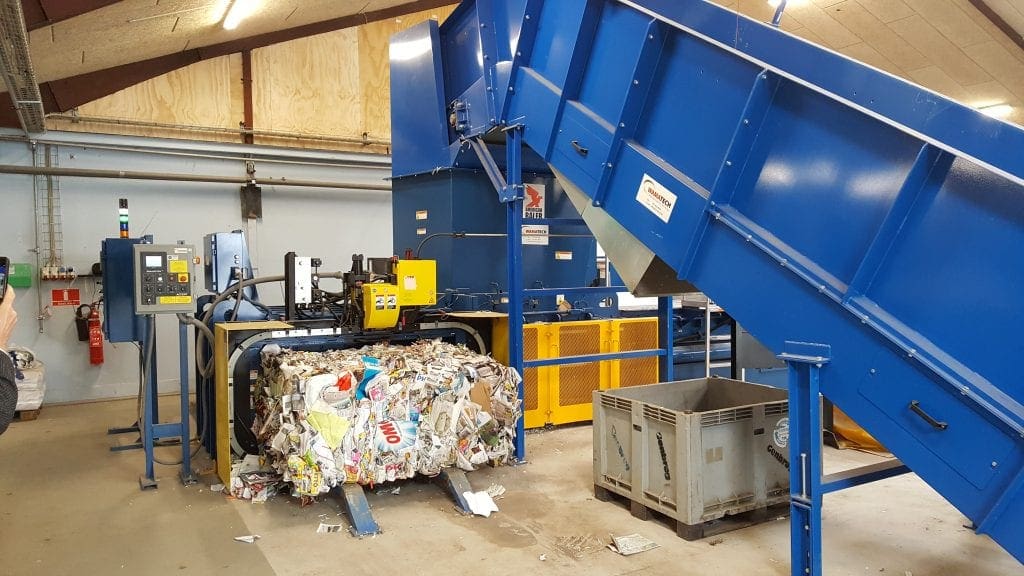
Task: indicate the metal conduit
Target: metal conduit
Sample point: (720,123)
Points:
(130,175)
(256,155)
(75,118)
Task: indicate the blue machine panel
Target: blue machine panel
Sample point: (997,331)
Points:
(120,323)
(464,201)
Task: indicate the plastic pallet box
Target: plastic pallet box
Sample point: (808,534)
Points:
(694,450)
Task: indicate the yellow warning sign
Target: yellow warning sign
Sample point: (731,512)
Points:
(175,299)
(177,266)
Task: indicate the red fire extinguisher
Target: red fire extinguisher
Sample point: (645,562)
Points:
(95,336)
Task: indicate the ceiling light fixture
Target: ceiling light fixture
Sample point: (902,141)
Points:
(996,110)
(237,12)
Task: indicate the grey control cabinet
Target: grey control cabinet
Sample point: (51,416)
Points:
(164,278)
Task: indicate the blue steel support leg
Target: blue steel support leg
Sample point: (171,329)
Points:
(513,199)
(665,321)
(353,499)
(805,362)
(149,414)
(183,374)
(456,483)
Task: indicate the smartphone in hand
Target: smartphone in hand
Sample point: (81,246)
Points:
(5,270)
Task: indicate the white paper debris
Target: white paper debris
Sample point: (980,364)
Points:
(216,487)
(328,528)
(542,557)
(251,538)
(631,544)
(496,491)
(480,503)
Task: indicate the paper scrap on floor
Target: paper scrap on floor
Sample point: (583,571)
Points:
(631,544)
(480,503)
(328,528)
(249,539)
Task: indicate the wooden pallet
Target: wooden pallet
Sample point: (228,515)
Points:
(703,529)
(26,415)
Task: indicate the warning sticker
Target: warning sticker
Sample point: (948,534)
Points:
(533,201)
(535,235)
(656,198)
(563,255)
(177,266)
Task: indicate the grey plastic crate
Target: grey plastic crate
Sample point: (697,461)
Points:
(694,450)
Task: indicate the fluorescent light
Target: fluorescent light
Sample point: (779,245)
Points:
(237,12)
(996,110)
(789,3)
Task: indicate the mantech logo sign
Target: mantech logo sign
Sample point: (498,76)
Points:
(656,198)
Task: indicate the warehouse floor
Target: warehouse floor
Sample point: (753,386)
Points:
(68,506)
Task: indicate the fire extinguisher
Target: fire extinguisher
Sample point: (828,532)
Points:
(94,331)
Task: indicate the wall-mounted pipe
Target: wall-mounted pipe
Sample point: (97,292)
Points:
(238,132)
(130,175)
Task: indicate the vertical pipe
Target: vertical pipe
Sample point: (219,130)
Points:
(247,114)
(38,250)
(514,246)
(665,327)
(707,339)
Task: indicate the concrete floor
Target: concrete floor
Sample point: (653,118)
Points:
(68,506)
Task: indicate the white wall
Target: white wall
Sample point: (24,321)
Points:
(327,223)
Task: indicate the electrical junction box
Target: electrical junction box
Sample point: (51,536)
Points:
(380,306)
(417,282)
(20,275)
(164,278)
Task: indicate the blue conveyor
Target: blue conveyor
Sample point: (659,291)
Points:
(816,199)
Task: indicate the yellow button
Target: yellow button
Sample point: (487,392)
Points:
(182,278)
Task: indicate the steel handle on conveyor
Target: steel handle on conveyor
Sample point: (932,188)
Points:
(916,407)
(580,149)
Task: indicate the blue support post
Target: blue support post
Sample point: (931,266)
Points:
(150,413)
(805,362)
(513,198)
(665,327)
(185,474)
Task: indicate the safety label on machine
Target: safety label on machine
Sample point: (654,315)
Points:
(533,201)
(378,302)
(535,235)
(421,214)
(175,299)
(177,266)
(656,198)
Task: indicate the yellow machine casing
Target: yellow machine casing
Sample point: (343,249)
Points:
(417,282)
(380,306)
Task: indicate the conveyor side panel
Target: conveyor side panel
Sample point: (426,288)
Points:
(814,198)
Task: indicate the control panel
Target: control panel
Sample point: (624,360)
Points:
(164,278)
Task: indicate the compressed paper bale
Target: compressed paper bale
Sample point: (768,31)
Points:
(409,410)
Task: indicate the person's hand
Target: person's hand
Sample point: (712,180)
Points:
(8,318)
